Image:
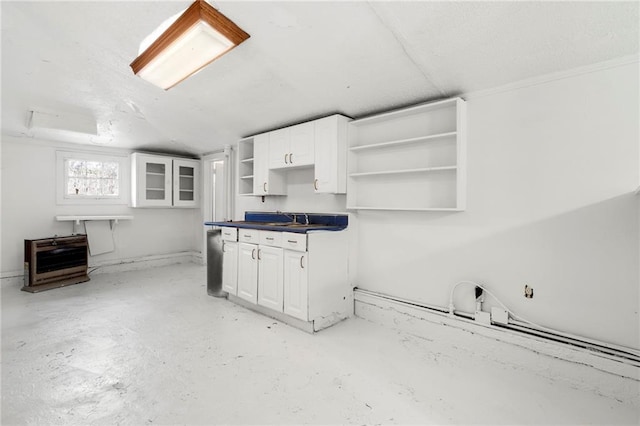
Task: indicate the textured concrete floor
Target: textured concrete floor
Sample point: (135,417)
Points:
(150,347)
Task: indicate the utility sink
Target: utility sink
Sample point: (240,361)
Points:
(318,222)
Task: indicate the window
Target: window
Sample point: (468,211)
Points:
(86,178)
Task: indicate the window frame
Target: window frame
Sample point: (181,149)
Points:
(124,181)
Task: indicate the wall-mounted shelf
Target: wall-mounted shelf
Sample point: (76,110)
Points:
(395,172)
(402,142)
(409,159)
(77,219)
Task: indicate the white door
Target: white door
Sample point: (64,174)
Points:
(230,267)
(302,145)
(248,272)
(296,283)
(270,277)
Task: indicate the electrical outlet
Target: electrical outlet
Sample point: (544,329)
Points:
(528,292)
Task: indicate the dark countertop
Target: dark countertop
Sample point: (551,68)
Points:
(288,222)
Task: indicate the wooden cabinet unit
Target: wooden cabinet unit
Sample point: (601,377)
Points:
(55,262)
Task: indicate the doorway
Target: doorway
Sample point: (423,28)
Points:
(216,202)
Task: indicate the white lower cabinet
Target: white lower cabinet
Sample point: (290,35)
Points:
(296,281)
(270,277)
(248,272)
(230,267)
(300,278)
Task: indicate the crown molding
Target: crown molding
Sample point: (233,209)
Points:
(559,75)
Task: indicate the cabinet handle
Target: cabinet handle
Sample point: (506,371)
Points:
(247,236)
(253,254)
(291,241)
(301,265)
(315,184)
(264,187)
(291,158)
(223,244)
(269,238)
(285,159)
(259,258)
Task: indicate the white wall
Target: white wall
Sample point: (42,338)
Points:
(29,209)
(552,170)
(300,197)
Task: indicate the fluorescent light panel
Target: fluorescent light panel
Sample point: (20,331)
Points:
(199,36)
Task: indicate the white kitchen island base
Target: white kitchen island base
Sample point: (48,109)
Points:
(298,278)
(308,326)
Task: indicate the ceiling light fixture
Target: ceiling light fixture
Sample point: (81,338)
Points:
(193,40)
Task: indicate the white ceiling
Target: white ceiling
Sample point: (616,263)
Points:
(303,60)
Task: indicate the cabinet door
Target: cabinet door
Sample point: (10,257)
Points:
(301,142)
(230,267)
(248,272)
(296,282)
(330,155)
(260,164)
(279,148)
(270,277)
(186,177)
(152,181)
(265,181)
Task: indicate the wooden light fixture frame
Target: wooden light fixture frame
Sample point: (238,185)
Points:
(200,10)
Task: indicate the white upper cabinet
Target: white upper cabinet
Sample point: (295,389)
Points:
(265,181)
(264,159)
(331,155)
(292,146)
(302,142)
(151,180)
(160,181)
(186,183)
(278,148)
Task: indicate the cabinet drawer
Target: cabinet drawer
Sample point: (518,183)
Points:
(293,241)
(271,238)
(249,236)
(230,234)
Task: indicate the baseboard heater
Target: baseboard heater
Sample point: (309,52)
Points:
(55,262)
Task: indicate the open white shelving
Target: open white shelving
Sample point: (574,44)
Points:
(410,159)
(245,166)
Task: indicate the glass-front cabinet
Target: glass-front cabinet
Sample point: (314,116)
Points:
(160,181)
(185,183)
